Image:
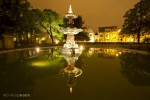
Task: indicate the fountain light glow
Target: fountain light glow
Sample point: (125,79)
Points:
(37,49)
(81,47)
(57,41)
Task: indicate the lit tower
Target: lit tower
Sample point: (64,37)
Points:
(70,45)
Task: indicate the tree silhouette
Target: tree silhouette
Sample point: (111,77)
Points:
(11,11)
(137,19)
(136,68)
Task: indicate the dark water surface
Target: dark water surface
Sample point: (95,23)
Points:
(107,74)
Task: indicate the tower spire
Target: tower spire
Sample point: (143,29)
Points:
(70,9)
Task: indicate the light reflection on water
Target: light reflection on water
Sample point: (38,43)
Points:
(108,74)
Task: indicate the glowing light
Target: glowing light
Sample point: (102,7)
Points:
(108,37)
(29,35)
(132,39)
(92,39)
(120,52)
(37,49)
(37,39)
(119,30)
(57,41)
(14,39)
(81,47)
(70,89)
(40,64)
(117,55)
(43,38)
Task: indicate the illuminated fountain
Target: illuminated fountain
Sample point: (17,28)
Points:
(71,51)
(70,46)
(71,72)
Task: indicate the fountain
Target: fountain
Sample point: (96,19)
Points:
(70,46)
(71,50)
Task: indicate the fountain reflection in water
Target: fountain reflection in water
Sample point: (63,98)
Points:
(71,51)
(71,72)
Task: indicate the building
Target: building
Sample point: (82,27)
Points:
(108,34)
(112,34)
(90,33)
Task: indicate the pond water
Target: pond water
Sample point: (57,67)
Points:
(105,74)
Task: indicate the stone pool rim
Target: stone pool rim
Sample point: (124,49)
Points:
(106,47)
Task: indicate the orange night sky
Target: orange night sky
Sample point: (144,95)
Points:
(95,13)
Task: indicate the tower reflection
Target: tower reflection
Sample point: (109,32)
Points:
(71,72)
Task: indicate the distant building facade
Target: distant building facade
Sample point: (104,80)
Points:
(108,34)
(112,34)
(90,33)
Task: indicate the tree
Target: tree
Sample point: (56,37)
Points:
(81,36)
(52,23)
(78,22)
(137,19)
(11,12)
(49,21)
(28,22)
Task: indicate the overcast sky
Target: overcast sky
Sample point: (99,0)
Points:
(95,13)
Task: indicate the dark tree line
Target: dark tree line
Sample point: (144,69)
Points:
(18,17)
(11,13)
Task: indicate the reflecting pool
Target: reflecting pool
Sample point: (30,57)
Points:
(95,74)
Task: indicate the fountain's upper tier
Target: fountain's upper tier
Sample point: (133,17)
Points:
(70,14)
